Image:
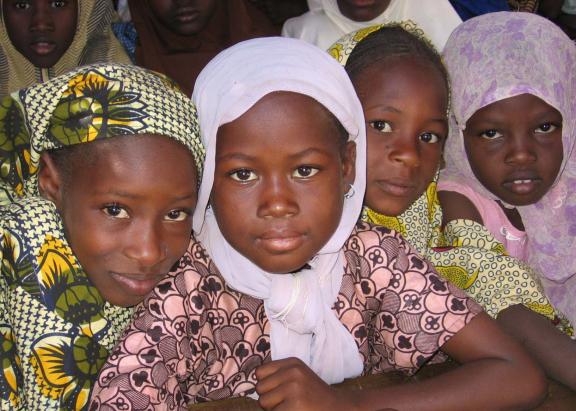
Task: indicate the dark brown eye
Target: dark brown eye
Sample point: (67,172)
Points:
(305,171)
(381,125)
(243,175)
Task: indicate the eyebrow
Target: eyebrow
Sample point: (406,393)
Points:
(130,196)
(246,157)
(384,108)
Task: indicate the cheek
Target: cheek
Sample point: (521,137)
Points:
(178,241)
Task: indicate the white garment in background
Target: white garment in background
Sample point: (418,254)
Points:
(569,7)
(324,24)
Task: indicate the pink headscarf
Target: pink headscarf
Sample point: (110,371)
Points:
(501,55)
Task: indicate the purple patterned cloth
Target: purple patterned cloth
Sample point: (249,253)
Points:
(501,55)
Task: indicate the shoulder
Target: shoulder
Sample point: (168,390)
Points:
(310,21)
(381,251)
(458,206)
(367,235)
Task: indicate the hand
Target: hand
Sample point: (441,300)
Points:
(289,385)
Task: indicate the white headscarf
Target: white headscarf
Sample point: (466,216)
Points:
(299,306)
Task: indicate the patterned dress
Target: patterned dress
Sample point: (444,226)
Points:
(195,339)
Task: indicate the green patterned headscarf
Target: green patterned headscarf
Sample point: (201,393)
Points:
(464,252)
(87,104)
(56,329)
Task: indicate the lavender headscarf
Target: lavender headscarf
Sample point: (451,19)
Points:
(298,306)
(502,55)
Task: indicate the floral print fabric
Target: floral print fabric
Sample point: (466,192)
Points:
(87,104)
(55,328)
(195,339)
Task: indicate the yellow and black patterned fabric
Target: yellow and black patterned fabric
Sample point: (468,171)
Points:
(56,330)
(87,104)
(468,256)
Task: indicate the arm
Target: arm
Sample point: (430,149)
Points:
(456,206)
(550,347)
(496,373)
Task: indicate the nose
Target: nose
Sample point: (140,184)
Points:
(520,150)
(145,244)
(278,199)
(404,149)
(42,19)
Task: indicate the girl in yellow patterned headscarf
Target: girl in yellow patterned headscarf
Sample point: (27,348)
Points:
(68,34)
(99,171)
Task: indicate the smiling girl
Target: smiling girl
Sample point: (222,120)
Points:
(284,294)
(99,182)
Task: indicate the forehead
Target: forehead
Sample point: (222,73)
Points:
(401,77)
(141,156)
(279,120)
(522,105)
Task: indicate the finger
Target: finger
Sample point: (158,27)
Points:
(272,399)
(271,367)
(289,371)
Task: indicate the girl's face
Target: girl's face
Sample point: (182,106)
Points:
(404,103)
(514,147)
(282,170)
(127,213)
(41,30)
(185,17)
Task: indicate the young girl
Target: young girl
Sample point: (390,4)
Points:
(403,88)
(509,160)
(284,295)
(102,164)
(41,39)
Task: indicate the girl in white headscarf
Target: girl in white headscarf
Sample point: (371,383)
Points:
(285,293)
(328,20)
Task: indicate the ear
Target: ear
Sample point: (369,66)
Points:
(348,165)
(50,181)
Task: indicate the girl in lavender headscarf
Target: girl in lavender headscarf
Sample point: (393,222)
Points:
(509,159)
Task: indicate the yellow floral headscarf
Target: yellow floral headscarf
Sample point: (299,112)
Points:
(86,104)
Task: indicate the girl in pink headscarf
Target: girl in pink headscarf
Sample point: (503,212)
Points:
(509,158)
